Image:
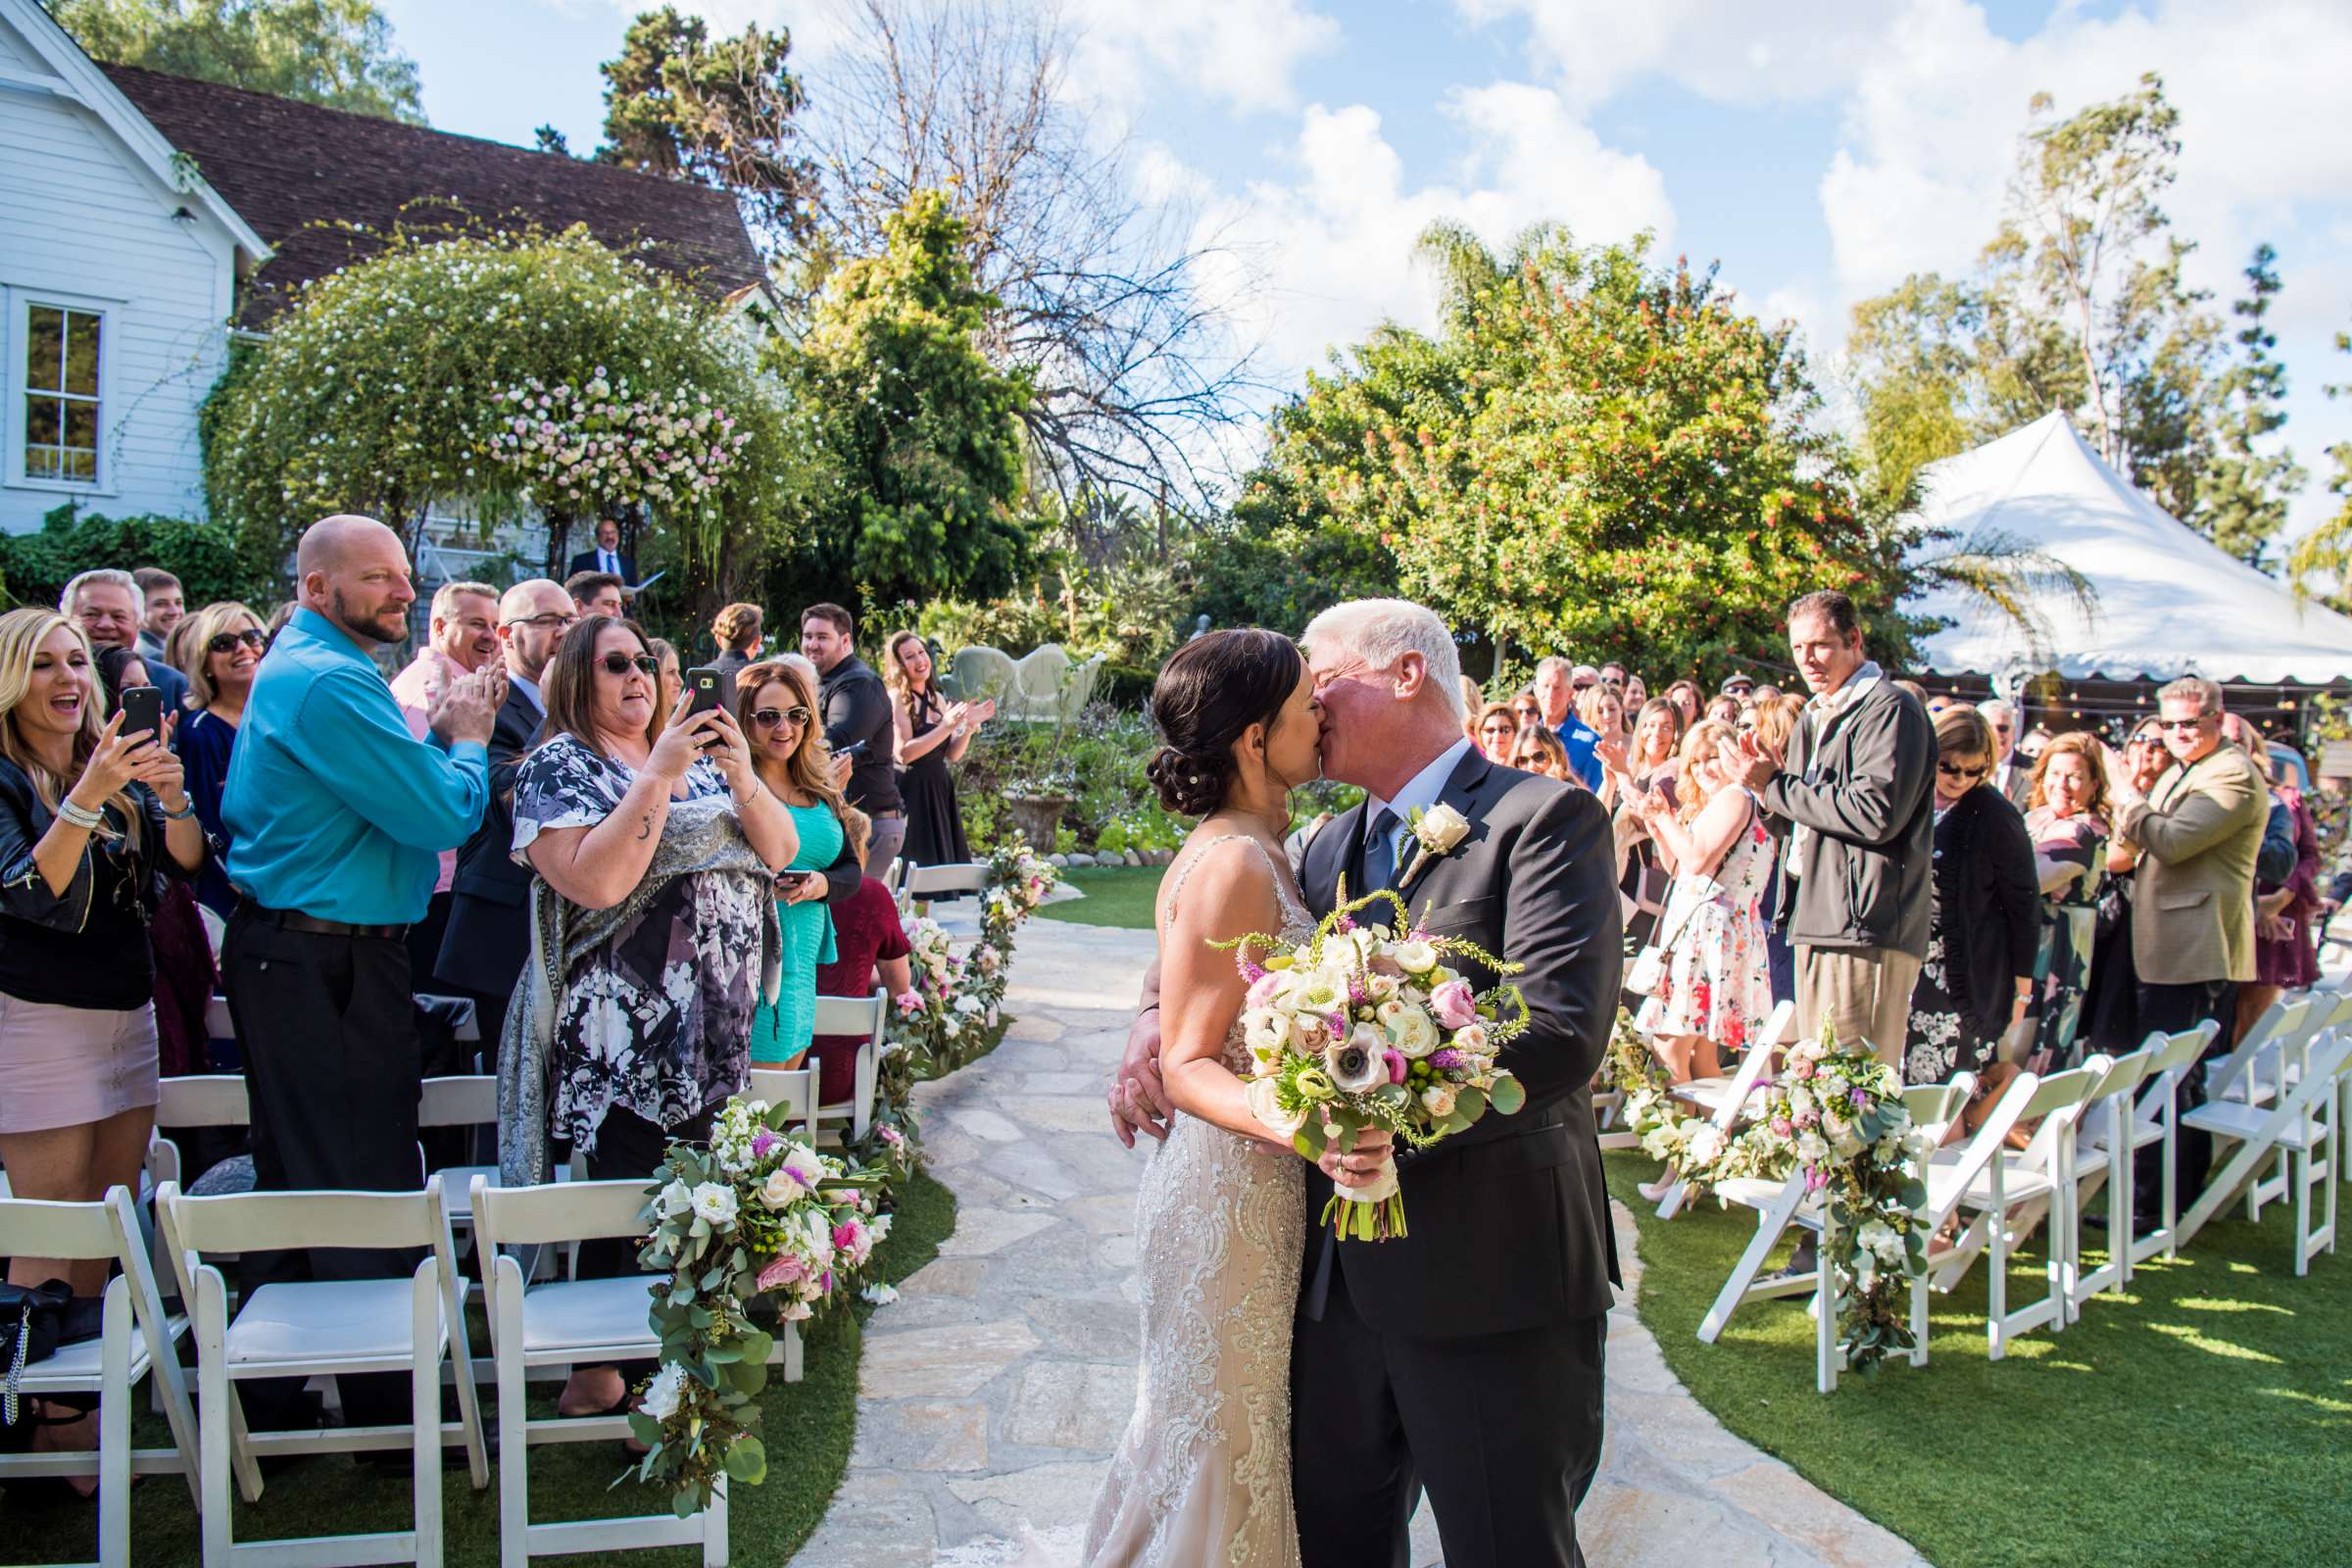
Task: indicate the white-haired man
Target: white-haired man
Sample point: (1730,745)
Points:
(1558,686)
(1464,1357)
(111,608)
(462,638)
(2013,774)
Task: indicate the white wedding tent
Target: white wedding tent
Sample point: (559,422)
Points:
(2168,602)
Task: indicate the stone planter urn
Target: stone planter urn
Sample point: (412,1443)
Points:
(1038,816)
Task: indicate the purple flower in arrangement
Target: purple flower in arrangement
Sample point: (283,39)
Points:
(1346,923)
(1356,992)
(1338,1023)
(1860,1098)
(1446,1060)
(763,1142)
(1252,972)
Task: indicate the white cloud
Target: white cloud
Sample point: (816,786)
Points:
(1245,53)
(1735,51)
(1335,243)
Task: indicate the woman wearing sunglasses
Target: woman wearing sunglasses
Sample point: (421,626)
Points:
(932,734)
(775,705)
(653,929)
(223,646)
(1984,931)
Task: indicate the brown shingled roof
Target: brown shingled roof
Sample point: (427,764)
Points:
(286,167)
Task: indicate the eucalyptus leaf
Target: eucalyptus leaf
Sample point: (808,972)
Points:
(1507,1095)
(746,1460)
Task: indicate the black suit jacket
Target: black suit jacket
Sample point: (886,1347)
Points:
(585,560)
(1508,1223)
(488,938)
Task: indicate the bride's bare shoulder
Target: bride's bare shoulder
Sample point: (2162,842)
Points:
(1219,885)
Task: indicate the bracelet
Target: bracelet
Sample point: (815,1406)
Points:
(187,809)
(74,814)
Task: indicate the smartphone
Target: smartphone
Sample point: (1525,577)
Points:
(853,749)
(142,710)
(702,688)
(793,879)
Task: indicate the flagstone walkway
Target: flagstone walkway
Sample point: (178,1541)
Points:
(994,1389)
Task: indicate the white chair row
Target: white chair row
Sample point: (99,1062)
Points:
(960,885)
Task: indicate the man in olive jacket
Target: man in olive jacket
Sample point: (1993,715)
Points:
(1855,796)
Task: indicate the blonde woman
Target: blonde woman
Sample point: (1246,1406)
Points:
(220,648)
(1603,709)
(932,733)
(1717,989)
(777,708)
(92,824)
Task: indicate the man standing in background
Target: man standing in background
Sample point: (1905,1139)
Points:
(462,638)
(855,707)
(164,605)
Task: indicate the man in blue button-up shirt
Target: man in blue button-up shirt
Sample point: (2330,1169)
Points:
(337,817)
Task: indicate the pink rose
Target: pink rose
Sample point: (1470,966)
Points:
(1396,1067)
(1454,1005)
(910,1002)
(784,1270)
(1262,989)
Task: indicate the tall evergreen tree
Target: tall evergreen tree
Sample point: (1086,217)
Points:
(2243,497)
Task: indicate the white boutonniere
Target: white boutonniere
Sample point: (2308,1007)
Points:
(1436,831)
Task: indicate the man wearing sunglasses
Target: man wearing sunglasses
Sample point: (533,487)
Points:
(489,936)
(2195,811)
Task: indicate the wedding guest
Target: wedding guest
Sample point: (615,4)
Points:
(651,837)
(1984,927)
(1558,686)
(335,815)
(1854,795)
(2113,1008)
(598,593)
(163,603)
(2197,826)
(1739,688)
(856,712)
(776,707)
(93,826)
(2067,820)
(226,642)
(1771,724)
(279,617)
(1656,752)
(2285,957)
(1688,700)
(488,938)
(607,556)
(1526,709)
(671,681)
(1473,703)
(2013,772)
(1497,728)
(110,610)
(185,971)
(462,638)
(1538,749)
(1603,714)
(870,945)
(1717,990)
(930,733)
(1636,693)
(738,632)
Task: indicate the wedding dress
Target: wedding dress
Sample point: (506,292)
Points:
(1204,1473)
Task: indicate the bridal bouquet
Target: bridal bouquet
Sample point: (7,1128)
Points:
(757,1213)
(1363,1028)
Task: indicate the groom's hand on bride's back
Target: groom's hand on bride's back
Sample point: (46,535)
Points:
(1138,1104)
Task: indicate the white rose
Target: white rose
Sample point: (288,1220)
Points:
(967,1003)
(1811,1150)
(1471,1040)
(715,1202)
(664,1390)
(676,1199)
(1441,828)
(1437,1099)
(1383,988)
(1415,958)
(1705,1144)
(1414,1033)
(1263,1105)
(783,1188)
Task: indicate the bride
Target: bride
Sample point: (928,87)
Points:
(1204,1473)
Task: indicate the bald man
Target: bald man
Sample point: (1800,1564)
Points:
(489,934)
(335,815)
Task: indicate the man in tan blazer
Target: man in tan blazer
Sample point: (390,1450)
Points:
(2197,827)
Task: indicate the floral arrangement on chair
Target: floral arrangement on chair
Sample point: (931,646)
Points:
(756,1213)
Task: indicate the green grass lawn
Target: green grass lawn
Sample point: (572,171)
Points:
(2203,1417)
(808,1427)
(1115,896)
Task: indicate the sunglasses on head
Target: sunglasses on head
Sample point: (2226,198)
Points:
(770,717)
(224,642)
(621,664)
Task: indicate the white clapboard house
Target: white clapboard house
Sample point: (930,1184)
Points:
(145,217)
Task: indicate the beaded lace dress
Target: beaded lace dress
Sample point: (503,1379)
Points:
(1204,1473)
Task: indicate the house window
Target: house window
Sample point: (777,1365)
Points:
(61,394)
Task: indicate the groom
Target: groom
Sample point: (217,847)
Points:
(1465,1356)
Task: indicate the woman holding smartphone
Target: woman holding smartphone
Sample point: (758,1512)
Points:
(777,708)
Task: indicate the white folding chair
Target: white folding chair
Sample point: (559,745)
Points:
(2296,1132)
(2106,1122)
(1724,1099)
(2250,1071)
(323,1328)
(865,1016)
(958,916)
(462,1100)
(1782,1204)
(2011,1192)
(794,1088)
(894,876)
(200,1099)
(562,1324)
(134,1341)
(2155,1120)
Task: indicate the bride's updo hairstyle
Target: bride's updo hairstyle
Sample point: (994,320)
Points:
(1206,697)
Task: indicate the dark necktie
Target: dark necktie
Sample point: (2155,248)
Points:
(1380,852)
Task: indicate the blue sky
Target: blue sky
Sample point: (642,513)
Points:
(1819,149)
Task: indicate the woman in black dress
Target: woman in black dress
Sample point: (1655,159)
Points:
(1985,934)
(932,734)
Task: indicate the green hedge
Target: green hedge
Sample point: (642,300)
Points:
(203,555)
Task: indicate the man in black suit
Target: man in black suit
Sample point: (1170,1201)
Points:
(489,935)
(1464,1357)
(606,556)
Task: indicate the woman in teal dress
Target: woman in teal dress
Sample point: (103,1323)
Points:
(777,708)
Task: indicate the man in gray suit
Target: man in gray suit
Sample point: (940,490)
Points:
(1464,1357)
(2013,772)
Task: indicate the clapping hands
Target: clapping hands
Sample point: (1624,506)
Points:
(1748,762)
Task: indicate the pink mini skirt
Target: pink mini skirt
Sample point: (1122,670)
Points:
(66,1066)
